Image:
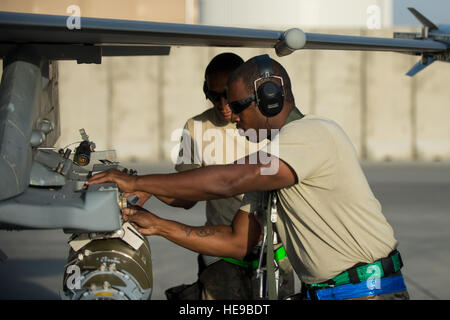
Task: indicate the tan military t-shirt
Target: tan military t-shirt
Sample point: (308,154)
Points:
(210,140)
(330,220)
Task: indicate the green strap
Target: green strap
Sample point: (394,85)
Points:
(240,263)
(398,264)
(364,272)
(271,285)
(279,254)
(368,271)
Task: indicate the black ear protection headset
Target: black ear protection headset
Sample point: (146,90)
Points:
(269,96)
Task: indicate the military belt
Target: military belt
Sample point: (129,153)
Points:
(378,269)
(278,254)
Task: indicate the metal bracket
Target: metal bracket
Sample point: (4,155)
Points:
(86,53)
(80,53)
(127,233)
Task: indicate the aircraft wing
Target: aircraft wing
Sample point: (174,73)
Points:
(51,29)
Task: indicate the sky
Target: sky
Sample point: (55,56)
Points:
(437,11)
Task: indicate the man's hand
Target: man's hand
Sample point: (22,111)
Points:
(217,240)
(124,181)
(143,220)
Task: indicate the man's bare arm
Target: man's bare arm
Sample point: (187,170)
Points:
(220,240)
(222,181)
(179,203)
(212,182)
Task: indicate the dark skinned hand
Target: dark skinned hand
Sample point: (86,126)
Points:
(124,181)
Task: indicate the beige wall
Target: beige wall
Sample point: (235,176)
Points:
(134,104)
(150,10)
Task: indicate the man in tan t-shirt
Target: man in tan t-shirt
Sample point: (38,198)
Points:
(210,138)
(329,221)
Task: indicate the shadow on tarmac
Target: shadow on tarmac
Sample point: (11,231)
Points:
(26,279)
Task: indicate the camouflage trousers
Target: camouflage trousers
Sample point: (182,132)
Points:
(226,281)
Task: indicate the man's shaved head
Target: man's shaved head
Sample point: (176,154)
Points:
(223,62)
(248,73)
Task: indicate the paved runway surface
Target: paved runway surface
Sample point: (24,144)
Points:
(415,200)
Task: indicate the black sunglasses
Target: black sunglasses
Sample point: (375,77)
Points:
(216,96)
(239,105)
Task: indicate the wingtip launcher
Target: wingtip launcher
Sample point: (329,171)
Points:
(291,40)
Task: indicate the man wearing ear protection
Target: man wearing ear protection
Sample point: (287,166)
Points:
(219,278)
(330,223)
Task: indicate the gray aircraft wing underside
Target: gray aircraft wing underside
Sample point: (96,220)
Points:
(51,29)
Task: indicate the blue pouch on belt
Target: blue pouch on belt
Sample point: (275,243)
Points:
(363,289)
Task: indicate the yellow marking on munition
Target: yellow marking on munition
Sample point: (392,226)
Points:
(103,293)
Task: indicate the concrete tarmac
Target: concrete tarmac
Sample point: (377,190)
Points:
(415,199)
